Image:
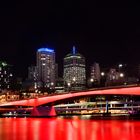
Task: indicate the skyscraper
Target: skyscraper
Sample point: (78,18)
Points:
(46,66)
(74,70)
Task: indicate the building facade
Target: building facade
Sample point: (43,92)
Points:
(95,74)
(74,73)
(114,78)
(6,76)
(46,66)
(32,73)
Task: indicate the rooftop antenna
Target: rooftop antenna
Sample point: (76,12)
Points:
(73,50)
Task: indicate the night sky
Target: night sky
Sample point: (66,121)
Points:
(107,33)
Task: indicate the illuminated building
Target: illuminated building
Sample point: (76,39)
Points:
(95,74)
(74,71)
(114,78)
(46,66)
(6,76)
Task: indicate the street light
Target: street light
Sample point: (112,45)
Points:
(121,75)
(91,81)
(69,85)
(103,79)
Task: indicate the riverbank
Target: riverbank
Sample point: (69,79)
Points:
(103,116)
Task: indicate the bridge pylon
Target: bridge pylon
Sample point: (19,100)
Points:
(42,111)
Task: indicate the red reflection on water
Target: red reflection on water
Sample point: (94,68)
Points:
(67,129)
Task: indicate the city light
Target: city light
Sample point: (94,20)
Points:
(69,84)
(102,73)
(74,79)
(120,65)
(52,83)
(91,80)
(121,75)
(45,50)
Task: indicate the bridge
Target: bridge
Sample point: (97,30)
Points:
(54,99)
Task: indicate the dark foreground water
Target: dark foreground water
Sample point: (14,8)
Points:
(68,129)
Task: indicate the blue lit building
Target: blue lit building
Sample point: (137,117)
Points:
(46,66)
(74,71)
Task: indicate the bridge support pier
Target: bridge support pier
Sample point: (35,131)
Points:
(43,112)
(107,107)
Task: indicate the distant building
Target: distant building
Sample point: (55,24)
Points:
(56,71)
(6,76)
(59,88)
(74,71)
(114,78)
(95,74)
(46,66)
(131,80)
(31,83)
(32,73)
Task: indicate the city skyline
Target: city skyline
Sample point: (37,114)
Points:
(104,35)
(104,66)
(69,70)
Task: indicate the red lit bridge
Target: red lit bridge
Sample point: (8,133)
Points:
(51,100)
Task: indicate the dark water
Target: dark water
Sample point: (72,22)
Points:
(68,129)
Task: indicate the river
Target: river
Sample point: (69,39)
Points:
(68,129)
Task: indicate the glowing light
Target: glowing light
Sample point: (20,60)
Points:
(120,65)
(4,64)
(74,79)
(69,84)
(91,80)
(102,73)
(45,50)
(52,83)
(121,75)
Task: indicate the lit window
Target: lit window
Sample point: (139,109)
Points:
(43,58)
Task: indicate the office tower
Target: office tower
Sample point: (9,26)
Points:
(46,66)
(95,74)
(74,70)
(6,76)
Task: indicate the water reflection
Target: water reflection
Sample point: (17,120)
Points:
(68,129)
